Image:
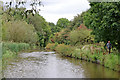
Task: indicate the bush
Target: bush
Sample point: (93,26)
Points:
(65,49)
(81,37)
(111,61)
(19,31)
(51,46)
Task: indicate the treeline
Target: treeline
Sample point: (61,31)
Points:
(98,24)
(85,37)
(24,26)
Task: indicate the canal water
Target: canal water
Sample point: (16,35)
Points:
(51,65)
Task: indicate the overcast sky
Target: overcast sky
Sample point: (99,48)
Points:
(55,9)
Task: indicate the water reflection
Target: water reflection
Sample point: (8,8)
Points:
(50,65)
(92,70)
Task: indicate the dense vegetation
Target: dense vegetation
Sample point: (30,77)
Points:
(21,29)
(84,37)
(103,18)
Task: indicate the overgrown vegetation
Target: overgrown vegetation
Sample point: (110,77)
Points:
(22,29)
(90,54)
(10,51)
(80,38)
(85,37)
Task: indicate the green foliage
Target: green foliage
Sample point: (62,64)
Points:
(42,28)
(77,21)
(61,37)
(10,51)
(64,49)
(103,19)
(19,31)
(62,23)
(54,28)
(14,47)
(51,46)
(81,37)
(109,60)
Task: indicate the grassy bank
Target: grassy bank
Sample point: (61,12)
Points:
(95,56)
(11,50)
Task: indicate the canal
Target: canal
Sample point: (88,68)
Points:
(51,65)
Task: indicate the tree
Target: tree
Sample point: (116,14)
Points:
(61,37)
(103,18)
(42,28)
(62,23)
(81,36)
(19,31)
(21,3)
(77,21)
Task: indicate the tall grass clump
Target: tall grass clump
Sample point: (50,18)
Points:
(15,47)
(10,51)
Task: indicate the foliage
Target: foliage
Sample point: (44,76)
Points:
(64,49)
(14,47)
(111,61)
(81,36)
(62,23)
(34,4)
(51,46)
(54,28)
(19,31)
(42,28)
(61,37)
(77,21)
(108,60)
(103,19)
(10,51)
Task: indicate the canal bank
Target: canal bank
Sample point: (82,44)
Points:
(51,65)
(110,61)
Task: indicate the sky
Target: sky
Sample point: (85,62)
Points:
(55,9)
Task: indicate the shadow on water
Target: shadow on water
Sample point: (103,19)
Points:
(50,65)
(92,70)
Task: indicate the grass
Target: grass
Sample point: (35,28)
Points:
(10,51)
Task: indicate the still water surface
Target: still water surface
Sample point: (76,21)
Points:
(50,65)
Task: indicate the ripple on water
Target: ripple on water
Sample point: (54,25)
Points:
(50,65)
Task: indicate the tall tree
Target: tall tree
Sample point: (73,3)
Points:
(77,21)
(42,28)
(104,19)
(62,23)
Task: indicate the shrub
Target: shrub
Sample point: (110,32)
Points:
(111,61)
(81,37)
(51,46)
(65,49)
(19,31)
(77,53)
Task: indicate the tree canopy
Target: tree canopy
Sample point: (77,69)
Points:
(62,23)
(103,18)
